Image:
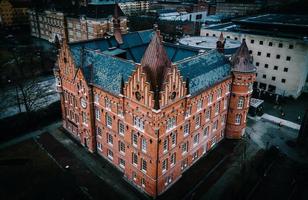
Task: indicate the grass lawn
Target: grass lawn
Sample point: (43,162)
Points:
(27,172)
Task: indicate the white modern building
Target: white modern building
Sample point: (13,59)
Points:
(279,49)
(184,16)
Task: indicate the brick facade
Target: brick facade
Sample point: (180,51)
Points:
(151,146)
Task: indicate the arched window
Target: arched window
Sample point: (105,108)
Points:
(238,119)
(240,102)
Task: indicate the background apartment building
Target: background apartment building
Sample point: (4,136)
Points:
(279,55)
(13,13)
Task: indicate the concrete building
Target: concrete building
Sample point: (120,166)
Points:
(50,25)
(278,45)
(237,9)
(184,16)
(150,108)
(134,7)
(13,13)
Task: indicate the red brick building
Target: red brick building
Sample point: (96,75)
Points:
(151,108)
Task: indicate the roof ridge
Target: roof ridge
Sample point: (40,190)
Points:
(195,56)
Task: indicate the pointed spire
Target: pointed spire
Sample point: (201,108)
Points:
(241,60)
(116,26)
(221,37)
(220,44)
(122,85)
(187,86)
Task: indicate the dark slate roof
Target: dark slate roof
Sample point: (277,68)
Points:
(99,11)
(204,70)
(107,70)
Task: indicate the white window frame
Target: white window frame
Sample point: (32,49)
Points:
(240,103)
(238,119)
(171,123)
(144,145)
(186,129)
(199,105)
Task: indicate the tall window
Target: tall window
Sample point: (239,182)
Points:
(188,112)
(121,128)
(223,119)
(110,154)
(206,131)
(143,165)
(108,120)
(173,159)
(238,119)
(165,145)
(240,102)
(165,165)
(199,104)
(121,163)
(184,147)
(84,118)
(208,114)
(225,103)
(186,129)
(109,139)
(198,121)
(228,88)
(210,99)
(98,131)
(107,103)
(135,159)
(144,145)
(217,106)
(171,123)
(99,146)
(215,125)
(135,139)
(219,93)
(196,139)
(173,139)
(143,182)
(97,113)
(139,123)
(122,147)
(96,98)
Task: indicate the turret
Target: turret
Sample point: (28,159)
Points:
(244,74)
(220,44)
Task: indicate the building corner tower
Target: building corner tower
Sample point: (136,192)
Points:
(244,74)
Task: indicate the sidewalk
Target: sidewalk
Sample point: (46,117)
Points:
(283,122)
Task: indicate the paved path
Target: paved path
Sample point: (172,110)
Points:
(283,122)
(30,135)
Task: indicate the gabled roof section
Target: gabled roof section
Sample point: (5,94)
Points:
(155,62)
(107,71)
(204,70)
(241,60)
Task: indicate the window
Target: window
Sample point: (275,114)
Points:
(96,99)
(288,58)
(240,103)
(173,159)
(107,104)
(238,119)
(217,108)
(135,159)
(199,16)
(206,131)
(250,51)
(165,165)
(121,147)
(283,80)
(223,119)
(198,121)
(109,139)
(84,118)
(291,46)
(268,55)
(273,78)
(135,139)
(186,129)
(188,112)
(225,103)
(259,53)
(171,123)
(210,98)
(165,145)
(261,42)
(121,128)
(184,164)
(270,44)
(228,88)
(122,163)
(285,69)
(275,67)
(144,145)
(99,146)
(252,41)
(280,45)
(110,154)
(108,120)
(264,76)
(195,155)
(278,56)
(134,176)
(196,139)
(235,38)
(143,165)
(184,147)
(208,114)
(143,182)
(98,131)
(199,104)
(215,125)
(266,66)
(219,92)
(139,123)
(97,113)
(173,138)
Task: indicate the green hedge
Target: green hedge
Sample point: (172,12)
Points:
(22,123)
